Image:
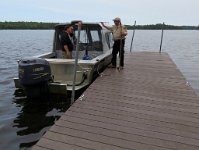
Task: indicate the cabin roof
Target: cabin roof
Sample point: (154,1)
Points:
(84,24)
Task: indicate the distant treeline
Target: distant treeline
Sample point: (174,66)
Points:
(162,26)
(26,25)
(43,25)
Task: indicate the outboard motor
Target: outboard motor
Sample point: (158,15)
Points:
(34,75)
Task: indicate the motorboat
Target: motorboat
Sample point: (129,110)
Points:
(51,73)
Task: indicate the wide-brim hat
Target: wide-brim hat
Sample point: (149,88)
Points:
(117,19)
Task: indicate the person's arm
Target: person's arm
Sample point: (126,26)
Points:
(66,48)
(107,27)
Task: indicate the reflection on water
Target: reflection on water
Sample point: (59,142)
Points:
(22,122)
(37,115)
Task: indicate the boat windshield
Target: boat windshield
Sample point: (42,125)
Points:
(90,42)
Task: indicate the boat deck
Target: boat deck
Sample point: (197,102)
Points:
(146,106)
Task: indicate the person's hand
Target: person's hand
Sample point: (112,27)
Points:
(102,23)
(79,24)
(124,34)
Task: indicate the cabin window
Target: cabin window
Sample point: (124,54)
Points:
(83,36)
(95,35)
(109,39)
(96,40)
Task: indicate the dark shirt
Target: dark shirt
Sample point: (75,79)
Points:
(65,40)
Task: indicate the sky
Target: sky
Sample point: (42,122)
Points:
(172,12)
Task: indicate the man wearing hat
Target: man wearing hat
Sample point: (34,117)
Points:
(119,32)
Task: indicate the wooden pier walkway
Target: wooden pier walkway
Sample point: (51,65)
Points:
(146,106)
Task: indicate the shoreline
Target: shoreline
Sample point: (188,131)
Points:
(49,25)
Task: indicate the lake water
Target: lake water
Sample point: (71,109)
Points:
(23,122)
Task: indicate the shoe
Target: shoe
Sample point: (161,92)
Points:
(120,68)
(112,66)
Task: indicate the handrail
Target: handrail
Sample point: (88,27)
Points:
(133,36)
(161,38)
(75,65)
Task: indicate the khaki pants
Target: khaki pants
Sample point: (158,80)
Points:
(67,55)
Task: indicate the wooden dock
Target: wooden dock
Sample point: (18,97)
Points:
(146,106)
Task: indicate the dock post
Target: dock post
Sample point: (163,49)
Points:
(75,65)
(133,36)
(161,38)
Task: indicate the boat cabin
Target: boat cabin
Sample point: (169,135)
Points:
(90,40)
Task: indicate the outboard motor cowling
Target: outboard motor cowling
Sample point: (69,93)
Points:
(34,75)
(34,71)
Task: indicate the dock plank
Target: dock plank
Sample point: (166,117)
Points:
(147,105)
